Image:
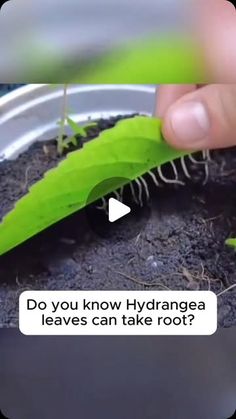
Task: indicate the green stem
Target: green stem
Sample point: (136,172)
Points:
(62,122)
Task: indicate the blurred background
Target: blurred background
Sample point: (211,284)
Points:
(89,40)
(119,41)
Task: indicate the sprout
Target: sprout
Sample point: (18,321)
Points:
(63,141)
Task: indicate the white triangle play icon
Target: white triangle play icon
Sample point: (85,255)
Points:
(116,210)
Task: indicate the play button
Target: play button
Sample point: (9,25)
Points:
(117,210)
(117,215)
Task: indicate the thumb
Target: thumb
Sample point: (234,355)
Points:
(203,119)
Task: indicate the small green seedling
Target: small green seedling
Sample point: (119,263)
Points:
(60,138)
(64,142)
(80,131)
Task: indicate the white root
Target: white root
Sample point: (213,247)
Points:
(176,174)
(104,205)
(142,183)
(137,181)
(165,180)
(133,193)
(121,192)
(154,178)
(117,195)
(145,187)
(207,155)
(206,173)
(207,158)
(193,160)
(185,169)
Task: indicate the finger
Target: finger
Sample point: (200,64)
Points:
(168,94)
(203,119)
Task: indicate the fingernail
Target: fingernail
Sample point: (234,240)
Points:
(191,124)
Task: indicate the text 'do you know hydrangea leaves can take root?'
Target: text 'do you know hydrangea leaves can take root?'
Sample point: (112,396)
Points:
(118,313)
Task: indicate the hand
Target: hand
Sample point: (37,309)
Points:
(198,118)
(205,117)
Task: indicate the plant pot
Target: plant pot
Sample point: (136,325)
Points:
(179,246)
(31,113)
(173,377)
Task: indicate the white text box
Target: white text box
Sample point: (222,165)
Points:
(118,313)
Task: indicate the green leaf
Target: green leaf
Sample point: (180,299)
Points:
(76,128)
(128,150)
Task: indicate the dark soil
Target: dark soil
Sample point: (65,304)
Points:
(175,241)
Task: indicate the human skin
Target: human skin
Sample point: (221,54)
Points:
(216,32)
(198,118)
(204,117)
